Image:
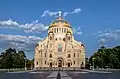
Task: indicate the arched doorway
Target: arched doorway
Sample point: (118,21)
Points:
(68,64)
(50,65)
(82,65)
(60,62)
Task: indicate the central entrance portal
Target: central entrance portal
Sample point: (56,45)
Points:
(68,64)
(50,64)
(60,62)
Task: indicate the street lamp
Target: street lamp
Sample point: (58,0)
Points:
(93,62)
(25,64)
(32,64)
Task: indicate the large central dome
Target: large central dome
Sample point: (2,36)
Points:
(59,22)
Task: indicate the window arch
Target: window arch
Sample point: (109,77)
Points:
(74,62)
(74,54)
(63,39)
(59,47)
(56,39)
(64,30)
(68,37)
(50,37)
(50,55)
(57,30)
(37,62)
(45,54)
(82,63)
(69,56)
(45,62)
(54,30)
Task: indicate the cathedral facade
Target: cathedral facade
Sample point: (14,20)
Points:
(59,48)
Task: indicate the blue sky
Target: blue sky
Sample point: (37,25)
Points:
(21,24)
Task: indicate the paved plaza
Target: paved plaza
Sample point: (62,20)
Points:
(83,74)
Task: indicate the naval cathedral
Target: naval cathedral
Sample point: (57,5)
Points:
(59,48)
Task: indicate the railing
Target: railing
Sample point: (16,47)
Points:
(13,69)
(58,68)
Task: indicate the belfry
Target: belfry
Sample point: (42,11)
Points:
(59,48)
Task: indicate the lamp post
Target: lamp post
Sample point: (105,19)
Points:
(25,64)
(93,62)
(32,63)
(102,45)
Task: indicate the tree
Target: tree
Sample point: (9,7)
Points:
(87,63)
(12,59)
(107,57)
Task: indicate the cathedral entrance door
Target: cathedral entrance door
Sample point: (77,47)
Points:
(50,64)
(59,63)
(68,64)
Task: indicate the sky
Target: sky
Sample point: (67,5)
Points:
(23,23)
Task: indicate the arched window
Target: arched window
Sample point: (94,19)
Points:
(50,55)
(50,37)
(57,30)
(64,30)
(45,62)
(59,47)
(45,54)
(63,39)
(56,39)
(54,30)
(74,62)
(74,54)
(82,63)
(69,56)
(37,63)
(68,37)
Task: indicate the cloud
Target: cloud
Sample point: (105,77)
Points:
(74,12)
(77,10)
(9,22)
(108,34)
(33,27)
(77,31)
(50,13)
(25,43)
(55,13)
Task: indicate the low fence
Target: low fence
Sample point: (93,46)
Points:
(13,69)
(57,68)
(107,69)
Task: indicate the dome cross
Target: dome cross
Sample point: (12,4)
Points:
(59,13)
